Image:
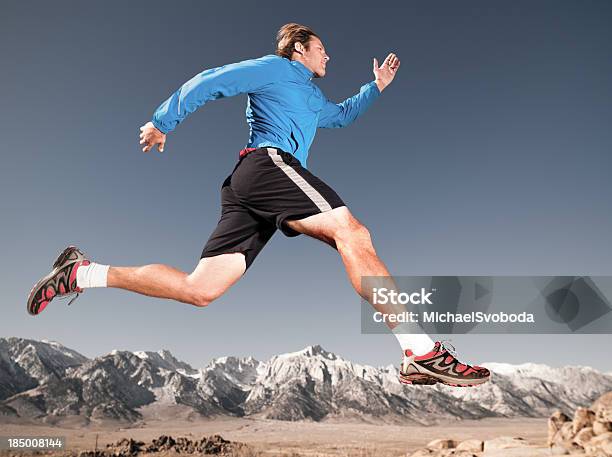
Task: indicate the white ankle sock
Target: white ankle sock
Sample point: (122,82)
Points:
(92,275)
(418,343)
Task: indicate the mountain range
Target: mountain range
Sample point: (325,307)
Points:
(46,381)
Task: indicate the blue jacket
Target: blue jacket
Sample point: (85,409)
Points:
(284,106)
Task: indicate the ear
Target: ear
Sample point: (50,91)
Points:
(298,47)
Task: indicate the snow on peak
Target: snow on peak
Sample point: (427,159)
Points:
(309,351)
(166,354)
(544,372)
(52,343)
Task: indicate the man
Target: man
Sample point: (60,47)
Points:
(269,189)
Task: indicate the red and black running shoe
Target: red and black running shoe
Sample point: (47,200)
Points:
(440,365)
(61,282)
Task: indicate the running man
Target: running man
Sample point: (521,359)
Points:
(270,188)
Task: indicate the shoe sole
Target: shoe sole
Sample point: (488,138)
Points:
(64,255)
(427,379)
(417,380)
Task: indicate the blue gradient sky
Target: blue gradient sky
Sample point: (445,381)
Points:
(490,154)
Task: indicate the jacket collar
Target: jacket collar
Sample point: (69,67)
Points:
(302,69)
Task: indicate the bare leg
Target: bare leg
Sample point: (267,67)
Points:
(211,278)
(340,229)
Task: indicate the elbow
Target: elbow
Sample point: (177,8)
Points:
(347,119)
(344,123)
(338,123)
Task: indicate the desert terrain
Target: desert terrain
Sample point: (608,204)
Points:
(281,438)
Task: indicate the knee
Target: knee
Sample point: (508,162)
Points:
(351,232)
(202,298)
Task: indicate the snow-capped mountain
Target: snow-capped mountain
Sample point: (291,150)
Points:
(314,384)
(46,380)
(24,364)
(540,386)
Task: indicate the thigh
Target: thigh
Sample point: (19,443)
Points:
(239,230)
(217,274)
(324,226)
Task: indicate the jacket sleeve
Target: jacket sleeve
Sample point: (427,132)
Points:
(342,114)
(243,77)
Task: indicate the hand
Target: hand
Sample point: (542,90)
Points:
(386,72)
(150,136)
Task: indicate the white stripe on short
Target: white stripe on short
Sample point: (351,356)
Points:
(310,191)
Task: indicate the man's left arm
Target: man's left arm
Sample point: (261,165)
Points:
(342,114)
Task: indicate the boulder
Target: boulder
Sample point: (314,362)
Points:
(603,407)
(470,446)
(607,447)
(583,436)
(555,422)
(600,427)
(558,442)
(446,453)
(436,445)
(421,453)
(567,431)
(600,445)
(583,418)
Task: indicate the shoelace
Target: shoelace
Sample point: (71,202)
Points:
(73,296)
(446,345)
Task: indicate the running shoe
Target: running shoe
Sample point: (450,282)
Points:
(61,282)
(440,365)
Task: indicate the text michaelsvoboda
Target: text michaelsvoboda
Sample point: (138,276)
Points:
(478,316)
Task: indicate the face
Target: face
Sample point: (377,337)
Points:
(314,58)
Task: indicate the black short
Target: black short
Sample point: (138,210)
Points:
(267,187)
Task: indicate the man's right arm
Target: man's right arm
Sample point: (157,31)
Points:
(248,76)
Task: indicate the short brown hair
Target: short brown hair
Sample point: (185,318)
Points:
(288,35)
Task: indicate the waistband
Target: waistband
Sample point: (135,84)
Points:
(245,151)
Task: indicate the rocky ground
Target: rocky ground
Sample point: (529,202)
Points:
(590,430)
(162,446)
(213,445)
(283,439)
(589,433)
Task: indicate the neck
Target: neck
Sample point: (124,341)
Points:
(298,58)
